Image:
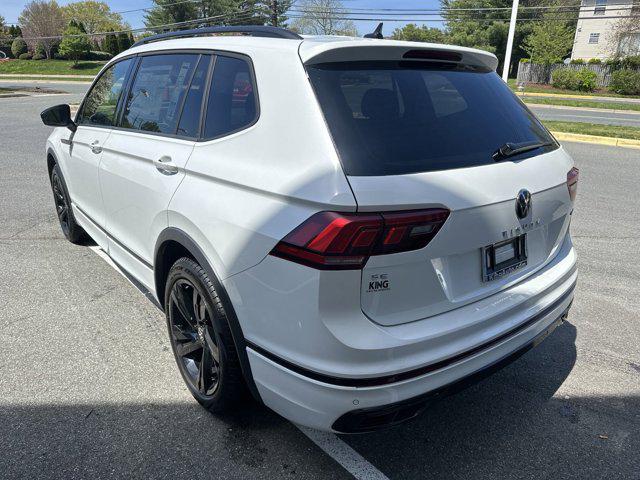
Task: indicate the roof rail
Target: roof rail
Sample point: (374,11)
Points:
(251,30)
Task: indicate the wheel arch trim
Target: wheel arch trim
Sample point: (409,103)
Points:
(51,153)
(173,234)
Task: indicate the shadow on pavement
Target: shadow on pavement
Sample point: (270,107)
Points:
(177,440)
(513,426)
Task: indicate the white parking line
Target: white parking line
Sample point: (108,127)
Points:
(331,444)
(342,453)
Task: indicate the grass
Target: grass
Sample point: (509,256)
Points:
(49,67)
(541,88)
(46,79)
(580,103)
(594,129)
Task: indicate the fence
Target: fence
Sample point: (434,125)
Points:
(536,73)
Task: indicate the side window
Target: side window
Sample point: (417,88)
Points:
(155,99)
(190,120)
(232,101)
(99,107)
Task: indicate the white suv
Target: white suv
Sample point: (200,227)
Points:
(346,228)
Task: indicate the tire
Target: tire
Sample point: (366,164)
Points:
(70,228)
(200,337)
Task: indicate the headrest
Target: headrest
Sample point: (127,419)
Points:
(380,104)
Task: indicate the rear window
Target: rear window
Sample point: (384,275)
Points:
(393,118)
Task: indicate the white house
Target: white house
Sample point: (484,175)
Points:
(595,30)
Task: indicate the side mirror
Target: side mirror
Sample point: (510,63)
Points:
(59,116)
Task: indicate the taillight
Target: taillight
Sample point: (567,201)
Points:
(572,182)
(345,241)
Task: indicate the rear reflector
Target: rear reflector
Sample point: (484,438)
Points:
(345,241)
(572,182)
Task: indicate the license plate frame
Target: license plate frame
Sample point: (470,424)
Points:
(497,261)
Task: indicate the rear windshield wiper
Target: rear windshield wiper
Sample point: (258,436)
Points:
(510,149)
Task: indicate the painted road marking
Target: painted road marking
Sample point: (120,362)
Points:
(347,457)
(331,444)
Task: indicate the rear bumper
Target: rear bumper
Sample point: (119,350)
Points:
(370,419)
(350,405)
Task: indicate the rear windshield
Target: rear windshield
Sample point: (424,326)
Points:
(393,118)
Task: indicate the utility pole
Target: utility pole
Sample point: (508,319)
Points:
(512,31)
(274,13)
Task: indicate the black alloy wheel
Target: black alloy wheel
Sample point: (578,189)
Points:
(201,338)
(193,337)
(70,228)
(60,200)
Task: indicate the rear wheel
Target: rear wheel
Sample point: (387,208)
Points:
(70,228)
(201,339)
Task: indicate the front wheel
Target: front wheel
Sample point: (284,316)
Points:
(201,339)
(70,228)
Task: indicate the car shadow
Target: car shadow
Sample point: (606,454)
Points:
(514,424)
(511,425)
(152,440)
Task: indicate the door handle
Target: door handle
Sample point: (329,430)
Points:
(165,166)
(95,147)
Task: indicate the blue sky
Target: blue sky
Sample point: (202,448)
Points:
(10,10)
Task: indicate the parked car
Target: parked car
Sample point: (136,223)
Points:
(345,228)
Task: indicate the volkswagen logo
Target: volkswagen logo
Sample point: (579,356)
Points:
(523,203)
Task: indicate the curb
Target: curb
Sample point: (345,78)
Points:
(595,98)
(597,140)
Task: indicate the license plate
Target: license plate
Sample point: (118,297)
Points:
(503,258)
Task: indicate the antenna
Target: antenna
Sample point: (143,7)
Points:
(377,33)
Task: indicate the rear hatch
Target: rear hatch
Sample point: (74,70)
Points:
(423,133)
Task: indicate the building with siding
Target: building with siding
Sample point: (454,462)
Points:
(597,22)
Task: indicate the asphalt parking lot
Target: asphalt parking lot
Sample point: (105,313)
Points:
(88,385)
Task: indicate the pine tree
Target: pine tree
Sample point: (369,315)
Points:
(110,44)
(166,13)
(123,42)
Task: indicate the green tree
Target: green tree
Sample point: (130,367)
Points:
(549,42)
(488,29)
(110,44)
(74,45)
(18,47)
(414,33)
(282,7)
(219,12)
(167,12)
(14,31)
(39,52)
(123,41)
(94,16)
(2,22)
(78,25)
